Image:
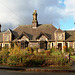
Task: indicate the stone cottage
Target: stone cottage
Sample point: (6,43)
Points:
(42,36)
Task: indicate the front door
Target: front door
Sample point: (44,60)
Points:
(59,46)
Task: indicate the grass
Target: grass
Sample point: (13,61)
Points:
(73,57)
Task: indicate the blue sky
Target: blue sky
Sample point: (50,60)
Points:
(60,13)
(68,22)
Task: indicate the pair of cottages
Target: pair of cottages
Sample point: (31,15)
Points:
(42,36)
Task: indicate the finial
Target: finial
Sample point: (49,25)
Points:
(35,12)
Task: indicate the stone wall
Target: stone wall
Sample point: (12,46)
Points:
(33,44)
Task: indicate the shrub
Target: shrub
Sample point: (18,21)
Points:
(34,48)
(35,52)
(52,50)
(30,49)
(14,60)
(15,56)
(0,48)
(42,52)
(70,49)
(56,53)
(16,51)
(32,60)
(47,52)
(4,55)
(0,59)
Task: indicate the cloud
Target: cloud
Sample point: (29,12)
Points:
(19,12)
(70,8)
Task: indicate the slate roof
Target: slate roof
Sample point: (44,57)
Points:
(32,33)
(8,31)
(59,30)
(41,33)
(70,35)
(24,34)
(48,29)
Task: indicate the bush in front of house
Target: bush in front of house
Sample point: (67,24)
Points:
(13,60)
(47,52)
(32,60)
(68,50)
(30,50)
(56,53)
(0,59)
(15,56)
(61,61)
(18,57)
(52,49)
(0,48)
(4,55)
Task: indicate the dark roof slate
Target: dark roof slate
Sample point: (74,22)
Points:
(48,29)
(24,34)
(70,35)
(41,33)
(58,30)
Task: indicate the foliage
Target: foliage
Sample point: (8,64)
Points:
(56,53)
(42,52)
(16,51)
(14,60)
(32,60)
(0,59)
(69,50)
(0,48)
(35,52)
(47,52)
(30,49)
(4,54)
(52,50)
(12,45)
(34,48)
(72,57)
(30,57)
(15,55)
(56,61)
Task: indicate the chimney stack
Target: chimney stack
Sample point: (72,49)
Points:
(35,22)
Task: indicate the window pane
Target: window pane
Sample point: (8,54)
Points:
(6,45)
(24,44)
(41,45)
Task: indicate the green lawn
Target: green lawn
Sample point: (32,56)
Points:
(72,57)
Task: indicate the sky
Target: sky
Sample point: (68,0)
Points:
(60,13)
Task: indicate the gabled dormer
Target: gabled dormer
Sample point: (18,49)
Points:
(42,37)
(7,35)
(59,34)
(24,37)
